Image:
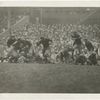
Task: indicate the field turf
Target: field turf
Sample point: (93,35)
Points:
(49,78)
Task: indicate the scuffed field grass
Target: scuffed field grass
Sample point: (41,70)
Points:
(49,78)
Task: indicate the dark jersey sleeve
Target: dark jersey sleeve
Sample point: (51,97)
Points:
(89,45)
(10,42)
(77,42)
(46,42)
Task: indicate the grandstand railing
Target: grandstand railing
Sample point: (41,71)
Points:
(17,26)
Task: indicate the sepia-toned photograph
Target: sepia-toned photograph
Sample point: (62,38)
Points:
(49,49)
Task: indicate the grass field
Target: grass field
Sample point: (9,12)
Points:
(49,78)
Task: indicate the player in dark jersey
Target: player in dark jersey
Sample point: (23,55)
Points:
(22,45)
(89,45)
(77,42)
(92,59)
(11,40)
(46,43)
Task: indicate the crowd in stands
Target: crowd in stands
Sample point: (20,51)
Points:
(57,43)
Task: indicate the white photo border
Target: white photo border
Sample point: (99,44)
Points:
(49,3)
